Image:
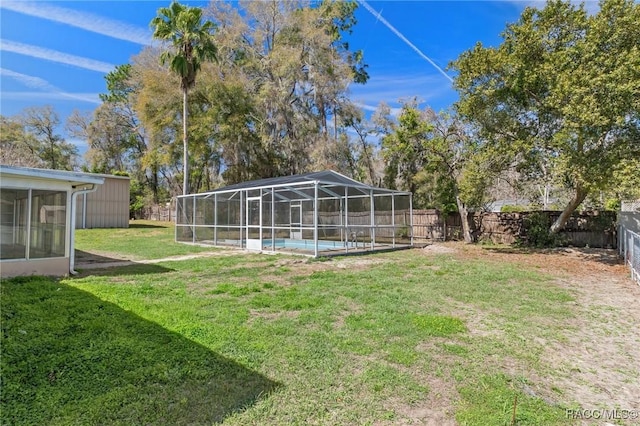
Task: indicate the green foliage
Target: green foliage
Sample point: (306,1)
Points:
(560,93)
(17,146)
(191,39)
(626,178)
(537,232)
(139,198)
(255,112)
(437,157)
(612,204)
(30,139)
(514,209)
(403,148)
(192,44)
(118,85)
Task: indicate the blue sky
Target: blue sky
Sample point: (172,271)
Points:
(58,52)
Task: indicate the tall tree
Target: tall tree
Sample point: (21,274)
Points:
(54,151)
(192,44)
(563,89)
(437,150)
(17,146)
(298,67)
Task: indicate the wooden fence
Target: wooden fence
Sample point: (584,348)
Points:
(159,212)
(593,229)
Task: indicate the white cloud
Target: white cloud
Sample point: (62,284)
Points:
(50,91)
(93,98)
(55,56)
(391,89)
(371,108)
(86,21)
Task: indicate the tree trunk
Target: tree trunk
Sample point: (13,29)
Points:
(578,198)
(464,214)
(185,181)
(154,174)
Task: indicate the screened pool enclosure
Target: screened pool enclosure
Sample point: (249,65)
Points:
(318,214)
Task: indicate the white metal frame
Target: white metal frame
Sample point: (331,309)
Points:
(629,249)
(295,228)
(253,243)
(304,198)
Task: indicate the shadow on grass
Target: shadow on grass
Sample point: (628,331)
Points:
(69,357)
(86,257)
(606,256)
(100,265)
(146,226)
(129,268)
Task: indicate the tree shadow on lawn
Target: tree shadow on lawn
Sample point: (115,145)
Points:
(94,264)
(605,256)
(69,357)
(85,257)
(146,226)
(126,268)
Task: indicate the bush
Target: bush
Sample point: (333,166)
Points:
(536,227)
(508,208)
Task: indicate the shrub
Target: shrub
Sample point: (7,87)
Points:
(508,208)
(536,227)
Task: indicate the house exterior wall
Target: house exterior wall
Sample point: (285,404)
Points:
(40,266)
(108,207)
(57,266)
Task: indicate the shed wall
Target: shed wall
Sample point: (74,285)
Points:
(108,207)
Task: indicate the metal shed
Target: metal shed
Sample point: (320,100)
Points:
(107,207)
(317,214)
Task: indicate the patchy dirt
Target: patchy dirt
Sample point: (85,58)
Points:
(598,366)
(271,316)
(439,249)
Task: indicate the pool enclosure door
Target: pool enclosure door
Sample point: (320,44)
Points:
(254,222)
(295,221)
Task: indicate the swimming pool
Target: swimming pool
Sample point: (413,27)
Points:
(305,244)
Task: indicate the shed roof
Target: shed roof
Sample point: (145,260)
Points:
(74,178)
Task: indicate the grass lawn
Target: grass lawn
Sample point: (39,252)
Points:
(144,239)
(265,340)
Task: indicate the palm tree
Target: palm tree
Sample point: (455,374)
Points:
(192,44)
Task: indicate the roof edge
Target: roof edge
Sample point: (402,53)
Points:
(62,175)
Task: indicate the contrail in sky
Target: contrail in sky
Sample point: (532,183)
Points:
(44,85)
(403,38)
(86,21)
(55,56)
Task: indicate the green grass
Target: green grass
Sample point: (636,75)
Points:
(244,339)
(144,239)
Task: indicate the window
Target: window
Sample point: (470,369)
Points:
(33,224)
(48,224)
(13,223)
